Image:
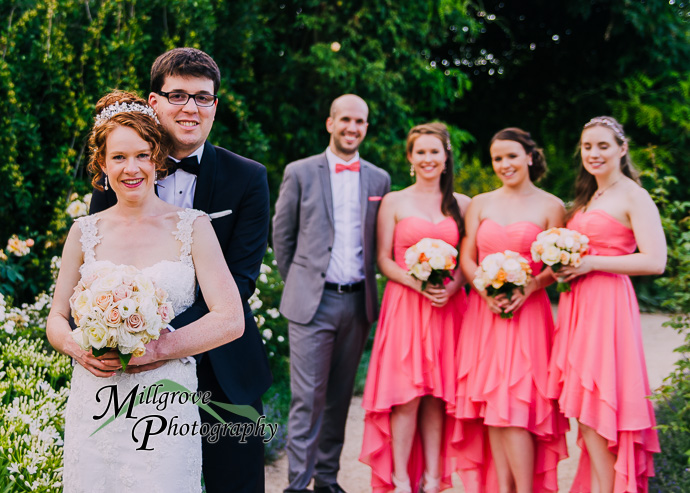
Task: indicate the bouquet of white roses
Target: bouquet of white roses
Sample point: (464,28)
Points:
(501,273)
(431,261)
(118,308)
(557,247)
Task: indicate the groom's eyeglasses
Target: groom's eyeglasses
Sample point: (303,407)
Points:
(181,98)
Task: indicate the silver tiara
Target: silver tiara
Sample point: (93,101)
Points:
(110,111)
(608,123)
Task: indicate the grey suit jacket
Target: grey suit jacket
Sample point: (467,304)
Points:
(303,233)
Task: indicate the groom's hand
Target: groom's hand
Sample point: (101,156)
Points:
(148,361)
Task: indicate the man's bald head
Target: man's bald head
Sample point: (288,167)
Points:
(347,101)
(347,125)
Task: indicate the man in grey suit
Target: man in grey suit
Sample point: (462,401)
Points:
(324,237)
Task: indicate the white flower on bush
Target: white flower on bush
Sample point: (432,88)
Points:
(268,334)
(77,209)
(273,312)
(254,302)
(281,339)
(265,269)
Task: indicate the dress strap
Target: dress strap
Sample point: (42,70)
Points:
(89,236)
(185,227)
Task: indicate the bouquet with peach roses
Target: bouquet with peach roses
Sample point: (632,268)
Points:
(557,247)
(118,308)
(501,273)
(431,261)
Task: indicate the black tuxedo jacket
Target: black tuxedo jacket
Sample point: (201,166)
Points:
(227,181)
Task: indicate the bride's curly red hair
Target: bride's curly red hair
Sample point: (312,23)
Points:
(148,129)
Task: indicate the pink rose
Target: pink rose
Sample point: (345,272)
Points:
(102,301)
(112,317)
(134,323)
(29,242)
(166,312)
(121,292)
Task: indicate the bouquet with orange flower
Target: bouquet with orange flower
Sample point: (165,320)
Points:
(557,247)
(501,273)
(118,308)
(431,261)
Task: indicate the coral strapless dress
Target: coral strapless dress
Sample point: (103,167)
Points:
(413,356)
(503,371)
(598,371)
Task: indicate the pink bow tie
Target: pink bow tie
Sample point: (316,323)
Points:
(347,167)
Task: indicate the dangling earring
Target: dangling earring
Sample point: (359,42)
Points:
(445,168)
(412,170)
(106,182)
(155,178)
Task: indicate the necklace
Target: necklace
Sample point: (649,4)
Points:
(599,193)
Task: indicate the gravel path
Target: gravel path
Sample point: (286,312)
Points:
(354,476)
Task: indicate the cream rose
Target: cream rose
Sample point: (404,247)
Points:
(103,301)
(97,333)
(551,255)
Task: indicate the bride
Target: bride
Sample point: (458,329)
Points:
(156,444)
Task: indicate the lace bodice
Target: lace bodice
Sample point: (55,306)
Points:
(177,278)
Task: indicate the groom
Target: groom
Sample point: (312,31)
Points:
(324,232)
(234,191)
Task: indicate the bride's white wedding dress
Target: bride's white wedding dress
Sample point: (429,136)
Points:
(109,460)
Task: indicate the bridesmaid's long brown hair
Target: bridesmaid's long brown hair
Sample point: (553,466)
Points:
(449,205)
(586,184)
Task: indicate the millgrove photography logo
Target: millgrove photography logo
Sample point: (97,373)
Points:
(166,393)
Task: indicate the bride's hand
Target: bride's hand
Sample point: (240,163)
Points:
(101,366)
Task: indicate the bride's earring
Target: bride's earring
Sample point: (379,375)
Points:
(412,170)
(106,182)
(155,178)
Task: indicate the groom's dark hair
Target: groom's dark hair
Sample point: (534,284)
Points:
(184,62)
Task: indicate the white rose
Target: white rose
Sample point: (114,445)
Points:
(106,283)
(437,262)
(97,333)
(126,341)
(82,304)
(575,259)
(127,307)
(145,286)
(421,271)
(551,255)
(81,338)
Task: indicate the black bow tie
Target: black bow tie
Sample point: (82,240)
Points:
(189,164)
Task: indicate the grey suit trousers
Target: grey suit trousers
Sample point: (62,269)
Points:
(324,356)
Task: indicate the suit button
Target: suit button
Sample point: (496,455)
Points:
(330,249)
(323,274)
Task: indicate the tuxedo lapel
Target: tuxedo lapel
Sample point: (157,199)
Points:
(207,177)
(325,178)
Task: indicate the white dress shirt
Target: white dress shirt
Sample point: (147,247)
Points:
(347,259)
(178,188)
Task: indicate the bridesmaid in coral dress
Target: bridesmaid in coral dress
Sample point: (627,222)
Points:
(503,363)
(598,370)
(411,379)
